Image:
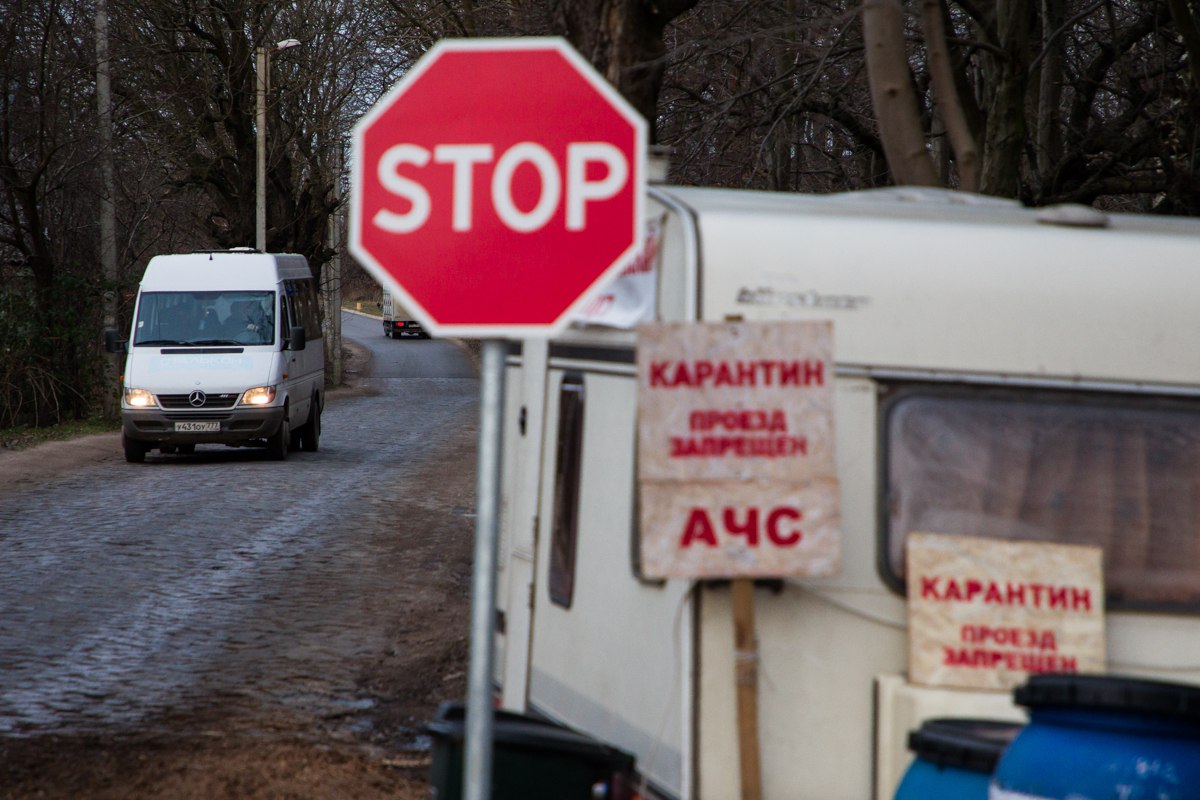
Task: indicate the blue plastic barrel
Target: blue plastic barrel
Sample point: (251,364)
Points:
(954,758)
(1093,737)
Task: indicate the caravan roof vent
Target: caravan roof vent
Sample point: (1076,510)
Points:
(230,250)
(926,196)
(1072,215)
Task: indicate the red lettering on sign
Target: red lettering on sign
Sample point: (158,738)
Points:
(1081,599)
(763,372)
(645,259)
(1032,595)
(773,533)
(698,527)
(803,373)
(993,593)
(1034,638)
(658,373)
(779,527)
(749,529)
(738,446)
(985,658)
(773,421)
(600,305)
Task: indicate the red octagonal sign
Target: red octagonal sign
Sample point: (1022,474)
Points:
(496,186)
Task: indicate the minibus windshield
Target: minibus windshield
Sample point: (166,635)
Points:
(191,319)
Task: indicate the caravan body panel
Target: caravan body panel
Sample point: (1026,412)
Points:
(927,291)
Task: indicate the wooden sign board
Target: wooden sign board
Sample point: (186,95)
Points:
(735,450)
(986,613)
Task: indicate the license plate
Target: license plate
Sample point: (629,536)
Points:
(197,427)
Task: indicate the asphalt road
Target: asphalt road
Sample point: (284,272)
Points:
(133,594)
(406,358)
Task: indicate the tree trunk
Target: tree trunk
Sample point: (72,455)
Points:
(107,211)
(892,94)
(1006,128)
(782,131)
(623,39)
(1188,23)
(1050,77)
(945,94)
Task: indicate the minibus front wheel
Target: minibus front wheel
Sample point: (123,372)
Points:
(277,444)
(135,451)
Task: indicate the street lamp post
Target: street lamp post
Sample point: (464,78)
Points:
(262,80)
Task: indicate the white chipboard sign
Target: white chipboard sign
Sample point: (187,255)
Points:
(986,613)
(736,450)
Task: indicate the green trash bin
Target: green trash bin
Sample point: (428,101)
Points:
(531,760)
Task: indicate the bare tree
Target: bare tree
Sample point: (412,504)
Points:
(624,41)
(770,95)
(46,204)
(945,92)
(108,213)
(893,95)
(193,82)
(1088,101)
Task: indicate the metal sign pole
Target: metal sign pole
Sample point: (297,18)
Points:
(477,765)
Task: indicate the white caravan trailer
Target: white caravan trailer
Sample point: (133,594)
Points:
(1000,371)
(225,349)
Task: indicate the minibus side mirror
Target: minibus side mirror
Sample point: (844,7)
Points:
(113,343)
(296,340)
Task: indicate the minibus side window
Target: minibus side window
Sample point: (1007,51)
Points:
(1121,472)
(313,302)
(303,295)
(568,471)
(287,312)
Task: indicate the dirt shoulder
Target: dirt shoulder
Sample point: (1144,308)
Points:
(25,468)
(196,768)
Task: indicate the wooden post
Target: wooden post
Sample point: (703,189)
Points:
(745,651)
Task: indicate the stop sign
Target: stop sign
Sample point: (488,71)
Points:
(496,186)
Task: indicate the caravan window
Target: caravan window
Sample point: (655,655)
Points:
(1121,472)
(568,470)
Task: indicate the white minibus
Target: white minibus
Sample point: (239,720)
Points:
(225,349)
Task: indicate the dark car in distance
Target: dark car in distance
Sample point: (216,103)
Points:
(404,328)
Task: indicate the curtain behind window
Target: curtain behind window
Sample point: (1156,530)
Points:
(1122,475)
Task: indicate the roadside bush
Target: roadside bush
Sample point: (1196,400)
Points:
(51,371)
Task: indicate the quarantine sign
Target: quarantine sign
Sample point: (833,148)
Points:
(987,613)
(735,450)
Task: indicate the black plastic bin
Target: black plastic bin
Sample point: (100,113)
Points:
(531,760)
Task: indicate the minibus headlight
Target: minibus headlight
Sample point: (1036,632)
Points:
(259,396)
(139,398)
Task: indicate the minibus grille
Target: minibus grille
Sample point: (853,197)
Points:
(207,401)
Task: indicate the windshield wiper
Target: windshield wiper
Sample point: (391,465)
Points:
(215,341)
(158,342)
